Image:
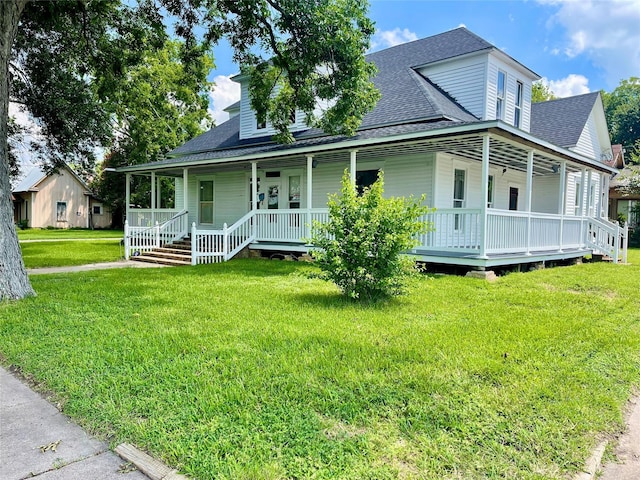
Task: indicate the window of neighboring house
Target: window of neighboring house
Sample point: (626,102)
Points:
(365,178)
(502,82)
(490,191)
(61,211)
(518,112)
(97,209)
(578,200)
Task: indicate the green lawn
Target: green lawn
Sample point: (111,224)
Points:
(69,233)
(252,370)
(66,253)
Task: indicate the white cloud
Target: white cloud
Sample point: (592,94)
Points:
(391,38)
(604,31)
(568,86)
(224,93)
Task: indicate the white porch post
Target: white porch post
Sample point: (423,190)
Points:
(562,201)
(582,215)
(529,189)
(153,198)
(604,208)
(309,195)
(185,188)
(158,192)
(484,187)
(352,166)
(127,195)
(185,200)
(254,198)
(588,211)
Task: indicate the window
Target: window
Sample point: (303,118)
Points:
(513,198)
(502,81)
(292,116)
(578,200)
(365,178)
(61,211)
(459,181)
(294,191)
(490,191)
(261,123)
(97,210)
(518,112)
(205,201)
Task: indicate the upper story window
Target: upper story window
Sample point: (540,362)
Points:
(517,116)
(500,94)
(261,124)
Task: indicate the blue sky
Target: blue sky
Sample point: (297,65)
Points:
(577,46)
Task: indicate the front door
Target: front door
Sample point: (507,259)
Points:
(205,202)
(513,198)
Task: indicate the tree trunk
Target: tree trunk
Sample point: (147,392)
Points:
(14,282)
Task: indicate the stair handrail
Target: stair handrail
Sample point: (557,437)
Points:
(617,234)
(248,217)
(157,228)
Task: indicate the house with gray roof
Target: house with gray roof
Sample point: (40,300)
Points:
(512,183)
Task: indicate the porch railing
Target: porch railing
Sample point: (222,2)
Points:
(148,217)
(143,239)
(456,231)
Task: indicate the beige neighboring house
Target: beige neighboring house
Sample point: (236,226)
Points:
(59,199)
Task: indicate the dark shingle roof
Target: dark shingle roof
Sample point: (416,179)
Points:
(562,121)
(406,96)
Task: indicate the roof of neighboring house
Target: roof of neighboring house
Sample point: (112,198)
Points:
(32,178)
(562,121)
(617,159)
(36,174)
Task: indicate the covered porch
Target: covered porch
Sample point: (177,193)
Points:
(553,204)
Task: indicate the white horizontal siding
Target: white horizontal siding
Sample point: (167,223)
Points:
(464,80)
(179,193)
(546,192)
(231,197)
(588,143)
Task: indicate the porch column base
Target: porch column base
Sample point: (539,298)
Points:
(488,275)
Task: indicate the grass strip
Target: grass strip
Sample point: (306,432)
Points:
(252,370)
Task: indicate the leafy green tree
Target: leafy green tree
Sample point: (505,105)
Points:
(541,92)
(158,105)
(65,60)
(361,247)
(622,108)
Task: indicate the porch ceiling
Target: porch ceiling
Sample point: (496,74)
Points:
(503,153)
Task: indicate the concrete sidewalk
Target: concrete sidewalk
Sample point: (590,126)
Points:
(627,450)
(29,424)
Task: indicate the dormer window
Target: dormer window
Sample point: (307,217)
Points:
(502,81)
(292,116)
(261,124)
(518,112)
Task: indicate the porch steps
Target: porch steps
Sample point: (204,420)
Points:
(174,254)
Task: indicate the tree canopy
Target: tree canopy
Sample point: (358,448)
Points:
(66,62)
(622,108)
(541,92)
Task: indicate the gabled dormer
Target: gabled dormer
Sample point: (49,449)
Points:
(250,126)
(488,83)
